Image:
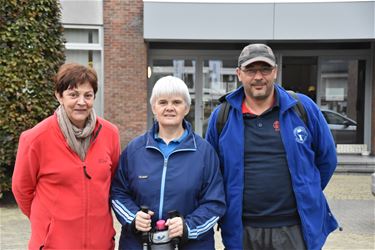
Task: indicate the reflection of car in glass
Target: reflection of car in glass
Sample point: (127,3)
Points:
(344,129)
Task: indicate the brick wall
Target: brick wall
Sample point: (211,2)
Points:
(125,67)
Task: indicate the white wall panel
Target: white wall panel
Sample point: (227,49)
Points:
(349,20)
(84,12)
(207,21)
(311,20)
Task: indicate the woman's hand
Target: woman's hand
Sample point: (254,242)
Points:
(175,227)
(143,221)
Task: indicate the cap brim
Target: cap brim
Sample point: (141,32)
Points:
(258,59)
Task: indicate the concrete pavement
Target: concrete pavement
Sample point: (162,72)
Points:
(353,205)
(349,196)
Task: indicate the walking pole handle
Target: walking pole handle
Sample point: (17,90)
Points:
(145,234)
(176,240)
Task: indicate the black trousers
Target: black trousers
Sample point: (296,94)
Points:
(279,238)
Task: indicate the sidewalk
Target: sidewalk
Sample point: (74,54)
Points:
(349,196)
(353,205)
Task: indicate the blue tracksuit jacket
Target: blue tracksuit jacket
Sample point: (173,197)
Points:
(311,157)
(188,181)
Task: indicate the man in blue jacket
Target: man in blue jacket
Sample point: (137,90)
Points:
(275,166)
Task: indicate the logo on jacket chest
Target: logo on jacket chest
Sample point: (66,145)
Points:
(300,134)
(102,161)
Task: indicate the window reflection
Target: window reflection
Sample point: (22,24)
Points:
(342,86)
(219,77)
(183,69)
(81,35)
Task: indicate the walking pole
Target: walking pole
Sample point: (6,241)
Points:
(176,240)
(145,240)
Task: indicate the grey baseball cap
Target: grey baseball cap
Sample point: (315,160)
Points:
(256,53)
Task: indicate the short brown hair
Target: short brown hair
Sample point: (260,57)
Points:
(72,74)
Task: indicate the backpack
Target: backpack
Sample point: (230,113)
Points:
(225,106)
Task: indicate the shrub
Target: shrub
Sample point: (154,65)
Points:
(31,50)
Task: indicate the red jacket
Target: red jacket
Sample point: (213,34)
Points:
(66,199)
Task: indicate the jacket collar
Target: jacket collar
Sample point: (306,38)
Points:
(189,143)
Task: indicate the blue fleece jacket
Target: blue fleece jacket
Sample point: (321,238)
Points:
(311,157)
(187,180)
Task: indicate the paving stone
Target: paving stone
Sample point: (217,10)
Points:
(349,196)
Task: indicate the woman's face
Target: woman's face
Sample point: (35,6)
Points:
(170,111)
(78,103)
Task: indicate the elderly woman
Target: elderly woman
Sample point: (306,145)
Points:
(64,168)
(169,168)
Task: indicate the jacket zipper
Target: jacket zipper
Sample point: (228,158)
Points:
(304,228)
(86,199)
(161,202)
(86,202)
(88,176)
(164,174)
(85,172)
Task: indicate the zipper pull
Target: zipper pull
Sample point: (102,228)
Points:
(85,172)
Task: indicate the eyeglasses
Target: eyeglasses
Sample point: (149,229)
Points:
(253,71)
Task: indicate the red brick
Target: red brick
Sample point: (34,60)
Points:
(125,67)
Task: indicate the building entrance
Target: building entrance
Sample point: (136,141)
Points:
(337,83)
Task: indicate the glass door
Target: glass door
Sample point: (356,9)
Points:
(182,68)
(341,95)
(337,85)
(219,77)
(207,80)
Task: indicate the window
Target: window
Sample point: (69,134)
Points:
(341,91)
(183,69)
(84,46)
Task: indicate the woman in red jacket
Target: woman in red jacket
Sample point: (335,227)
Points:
(64,168)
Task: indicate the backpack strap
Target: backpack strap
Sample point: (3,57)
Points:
(223,114)
(299,108)
(222,117)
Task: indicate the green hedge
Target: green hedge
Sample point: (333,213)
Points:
(31,50)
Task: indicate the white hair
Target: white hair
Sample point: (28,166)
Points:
(170,86)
